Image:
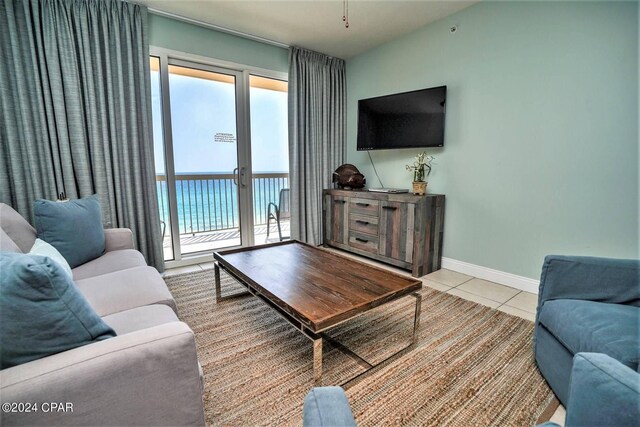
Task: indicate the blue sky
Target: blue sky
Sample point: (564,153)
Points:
(201,108)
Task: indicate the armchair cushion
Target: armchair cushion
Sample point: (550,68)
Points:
(41,311)
(608,280)
(74,228)
(588,326)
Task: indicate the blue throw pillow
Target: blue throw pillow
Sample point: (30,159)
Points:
(74,228)
(42,312)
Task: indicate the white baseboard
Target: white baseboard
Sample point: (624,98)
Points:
(519,282)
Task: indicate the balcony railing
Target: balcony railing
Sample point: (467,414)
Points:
(209,202)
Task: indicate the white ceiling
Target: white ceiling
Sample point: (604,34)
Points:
(314,24)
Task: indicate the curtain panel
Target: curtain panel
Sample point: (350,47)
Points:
(76,114)
(317,135)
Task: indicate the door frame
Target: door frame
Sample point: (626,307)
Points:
(242,74)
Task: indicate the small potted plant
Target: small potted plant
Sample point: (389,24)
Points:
(421,169)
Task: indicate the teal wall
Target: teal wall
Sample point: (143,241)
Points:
(541,138)
(184,37)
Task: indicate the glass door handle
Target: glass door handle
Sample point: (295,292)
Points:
(242,176)
(235,176)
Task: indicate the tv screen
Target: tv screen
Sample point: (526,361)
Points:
(404,120)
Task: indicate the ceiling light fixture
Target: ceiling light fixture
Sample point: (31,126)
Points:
(345,13)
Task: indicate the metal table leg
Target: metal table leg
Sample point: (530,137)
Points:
(317,362)
(219,296)
(218,289)
(416,319)
(317,348)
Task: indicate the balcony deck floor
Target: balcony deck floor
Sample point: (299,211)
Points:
(219,239)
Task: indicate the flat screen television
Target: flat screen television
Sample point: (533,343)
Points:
(403,120)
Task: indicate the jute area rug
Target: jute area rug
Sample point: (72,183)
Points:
(472,365)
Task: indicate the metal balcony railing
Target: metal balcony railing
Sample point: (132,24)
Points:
(209,202)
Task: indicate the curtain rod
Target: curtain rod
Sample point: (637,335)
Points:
(218,28)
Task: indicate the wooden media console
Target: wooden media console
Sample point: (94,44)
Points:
(404,230)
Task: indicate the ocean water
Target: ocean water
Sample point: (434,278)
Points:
(212,204)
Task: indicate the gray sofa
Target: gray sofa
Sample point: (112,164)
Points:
(147,375)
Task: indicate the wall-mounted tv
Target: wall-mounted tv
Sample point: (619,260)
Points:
(403,120)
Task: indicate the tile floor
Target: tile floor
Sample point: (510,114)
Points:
(500,297)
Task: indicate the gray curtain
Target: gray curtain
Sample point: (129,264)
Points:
(76,114)
(317,129)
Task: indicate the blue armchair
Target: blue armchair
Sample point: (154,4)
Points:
(327,407)
(586,305)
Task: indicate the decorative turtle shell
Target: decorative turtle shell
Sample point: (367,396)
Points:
(349,177)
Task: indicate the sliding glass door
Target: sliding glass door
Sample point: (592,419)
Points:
(205,157)
(209,195)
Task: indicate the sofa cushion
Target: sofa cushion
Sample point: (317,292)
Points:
(74,228)
(17,228)
(140,318)
(126,289)
(595,327)
(41,311)
(40,247)
(108,263)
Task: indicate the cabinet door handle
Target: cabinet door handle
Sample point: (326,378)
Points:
(362,222)
(391,208)
(340,201)
(361,240)
(363,204)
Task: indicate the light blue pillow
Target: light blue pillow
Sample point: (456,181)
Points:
(74,228)
(40,247)
(42,312)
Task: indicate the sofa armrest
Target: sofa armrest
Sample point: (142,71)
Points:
(608,280)
(116,239)
(602,392)
(147,377)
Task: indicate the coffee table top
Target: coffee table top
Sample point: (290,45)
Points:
(317,287)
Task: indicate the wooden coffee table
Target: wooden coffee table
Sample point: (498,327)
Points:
(314,289)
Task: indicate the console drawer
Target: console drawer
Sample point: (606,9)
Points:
(363,206)
(364,242)
(364,224)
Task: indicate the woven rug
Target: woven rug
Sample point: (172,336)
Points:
(472,365)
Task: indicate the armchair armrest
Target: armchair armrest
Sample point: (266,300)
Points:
(117,238)
(602,392)
(327,407)
(608,280)
(147,377)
